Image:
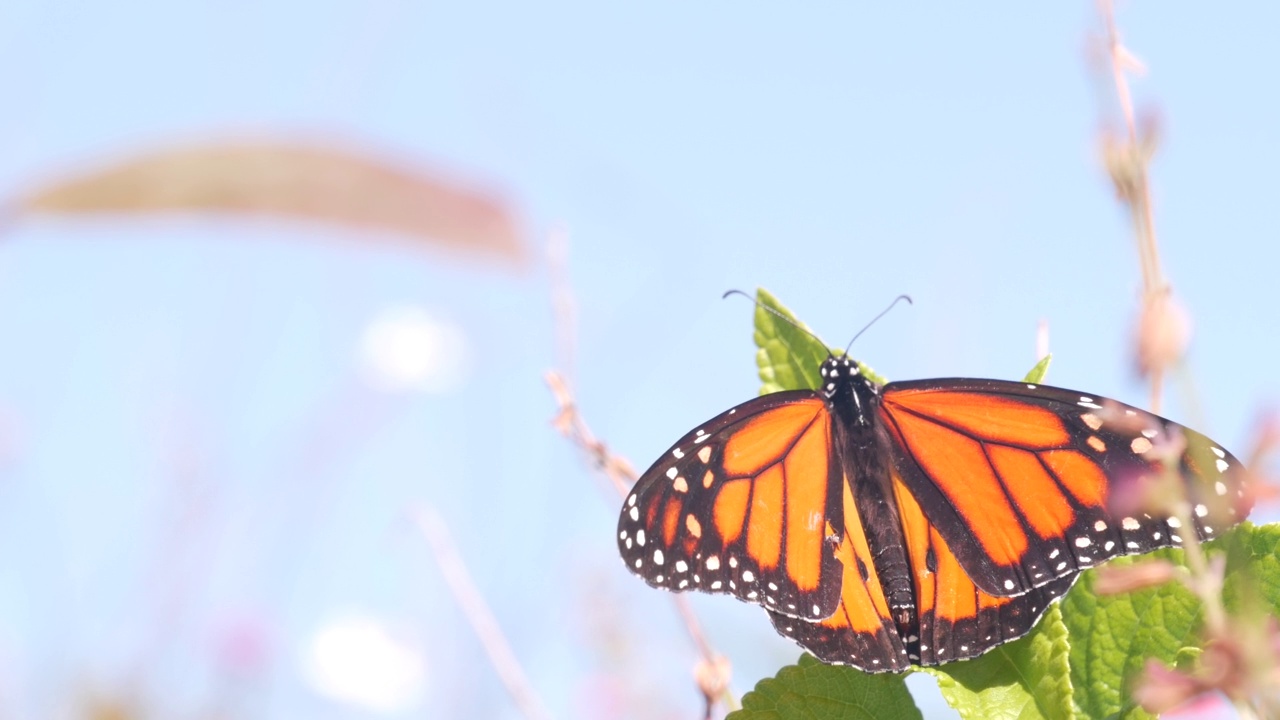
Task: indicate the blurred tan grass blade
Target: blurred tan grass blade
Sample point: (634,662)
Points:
(314,182)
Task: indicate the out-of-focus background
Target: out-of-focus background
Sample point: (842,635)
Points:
(217,431)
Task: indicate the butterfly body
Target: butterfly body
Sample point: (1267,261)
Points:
(863,447)
(915,523)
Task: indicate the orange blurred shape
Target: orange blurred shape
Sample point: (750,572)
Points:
(1163,333)
(319,182)
(1112,580)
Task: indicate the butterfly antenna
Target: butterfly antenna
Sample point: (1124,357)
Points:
(775,313)
(874,319)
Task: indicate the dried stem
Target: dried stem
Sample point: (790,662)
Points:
(1128,165)
(1162,333)
(569,423)
(622,475)
(1122,61)
(712,672)
(478,614)
(562,304)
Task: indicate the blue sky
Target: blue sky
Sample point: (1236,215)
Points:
(187,439)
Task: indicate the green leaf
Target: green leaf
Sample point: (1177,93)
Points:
(1026,679)
(1253,569)
(811,689)
(1112,636)
(790,354)
(1037,373)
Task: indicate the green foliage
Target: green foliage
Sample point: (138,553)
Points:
(1037,373)
(1257,548)
(811,689)
(1079,661)
(1112,636)
(1026,679)
(789,356)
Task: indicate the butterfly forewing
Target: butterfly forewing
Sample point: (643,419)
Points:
(745,505)
(1027,482)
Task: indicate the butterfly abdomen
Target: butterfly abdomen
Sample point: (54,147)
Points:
(865,457)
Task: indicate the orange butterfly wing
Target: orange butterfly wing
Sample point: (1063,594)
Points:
(1002,493)
(1019,479)
(744,505)
(860,632)
(954,620)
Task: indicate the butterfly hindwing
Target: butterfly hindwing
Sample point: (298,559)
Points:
(955,619)
(1022,480)
(861,631)
(743,505)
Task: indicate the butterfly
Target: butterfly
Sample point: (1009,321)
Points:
(918,522)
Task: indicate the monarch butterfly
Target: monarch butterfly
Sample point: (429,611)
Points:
(913,523)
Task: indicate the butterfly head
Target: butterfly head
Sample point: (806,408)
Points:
(838,371)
